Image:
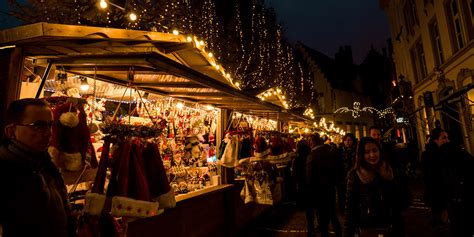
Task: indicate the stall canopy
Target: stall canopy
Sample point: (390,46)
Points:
(167,64)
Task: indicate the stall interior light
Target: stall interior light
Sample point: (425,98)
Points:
(180,105)
(84,85)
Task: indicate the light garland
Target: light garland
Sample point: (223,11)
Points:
(356,110)
(274,92)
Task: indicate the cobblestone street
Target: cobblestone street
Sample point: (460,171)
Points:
(286,219)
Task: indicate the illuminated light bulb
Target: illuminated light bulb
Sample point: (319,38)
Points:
(210,54)
(201,43)
(306,130)
(278,90)
(84,85)
(103,4)
(179,105)
(218,67)
(175,32)
(132,16)
(189,38)
(263,98)
(274,93)
(227,75)
(209,107)
(237,84)
(283,97)
(291,130)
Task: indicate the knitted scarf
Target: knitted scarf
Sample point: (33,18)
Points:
(368,175)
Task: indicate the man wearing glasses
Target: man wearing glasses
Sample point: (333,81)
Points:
(33,195)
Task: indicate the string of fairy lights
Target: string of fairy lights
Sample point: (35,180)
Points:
(249,43)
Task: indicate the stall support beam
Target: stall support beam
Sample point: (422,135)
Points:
(11,64)
(43,79)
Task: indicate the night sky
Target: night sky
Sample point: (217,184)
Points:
(327,24)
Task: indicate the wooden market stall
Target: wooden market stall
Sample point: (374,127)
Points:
(161,64)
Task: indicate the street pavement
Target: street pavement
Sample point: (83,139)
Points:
(287,220)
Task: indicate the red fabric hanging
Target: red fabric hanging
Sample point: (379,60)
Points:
(155,170)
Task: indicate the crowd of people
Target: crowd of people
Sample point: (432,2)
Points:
(366,184)
(362,180)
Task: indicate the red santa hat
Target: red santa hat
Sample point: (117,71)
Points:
(261,147)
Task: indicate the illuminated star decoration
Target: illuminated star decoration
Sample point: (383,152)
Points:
(356,110)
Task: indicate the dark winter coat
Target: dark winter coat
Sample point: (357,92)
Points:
(33,200)
(458,187)
(432,160)
(324,172)
(372,200)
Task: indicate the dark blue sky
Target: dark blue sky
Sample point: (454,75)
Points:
(327,24)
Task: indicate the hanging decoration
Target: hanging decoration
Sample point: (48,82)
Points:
(356,110)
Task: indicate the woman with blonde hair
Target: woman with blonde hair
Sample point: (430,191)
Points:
(374,198)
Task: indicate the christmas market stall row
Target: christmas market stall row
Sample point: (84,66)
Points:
(151,121)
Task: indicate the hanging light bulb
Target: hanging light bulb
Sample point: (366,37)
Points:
(179,105)
(84,85)
(237,84)
(210,54)
(103,4)
(189,38)
(132,16)
(175,32)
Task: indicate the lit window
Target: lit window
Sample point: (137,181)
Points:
(457,23)
(418,61)
(436,41)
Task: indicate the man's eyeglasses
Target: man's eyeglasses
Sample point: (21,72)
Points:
(39,125)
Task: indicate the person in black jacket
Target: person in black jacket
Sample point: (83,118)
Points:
(299,173)
(33,200)
(432,161)
(324,173)
(458,189)
(346,156)
(373,194)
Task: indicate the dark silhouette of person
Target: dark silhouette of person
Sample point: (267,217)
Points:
(324,173)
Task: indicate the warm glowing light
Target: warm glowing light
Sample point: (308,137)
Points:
(210,54)
(201,43)
(306,130)
(132,16)
(218,67)
(189,39)
(278,90)
(209,107)
(175,32)
(227,75)
(179,105)
(283,97)
(103,4)
(237,84)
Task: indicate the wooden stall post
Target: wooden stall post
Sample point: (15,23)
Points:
(11,64)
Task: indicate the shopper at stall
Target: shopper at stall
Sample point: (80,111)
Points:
(324,174)
(373,194)
(33,200)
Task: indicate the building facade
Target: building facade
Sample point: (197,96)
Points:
(433,43)
(338,88)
